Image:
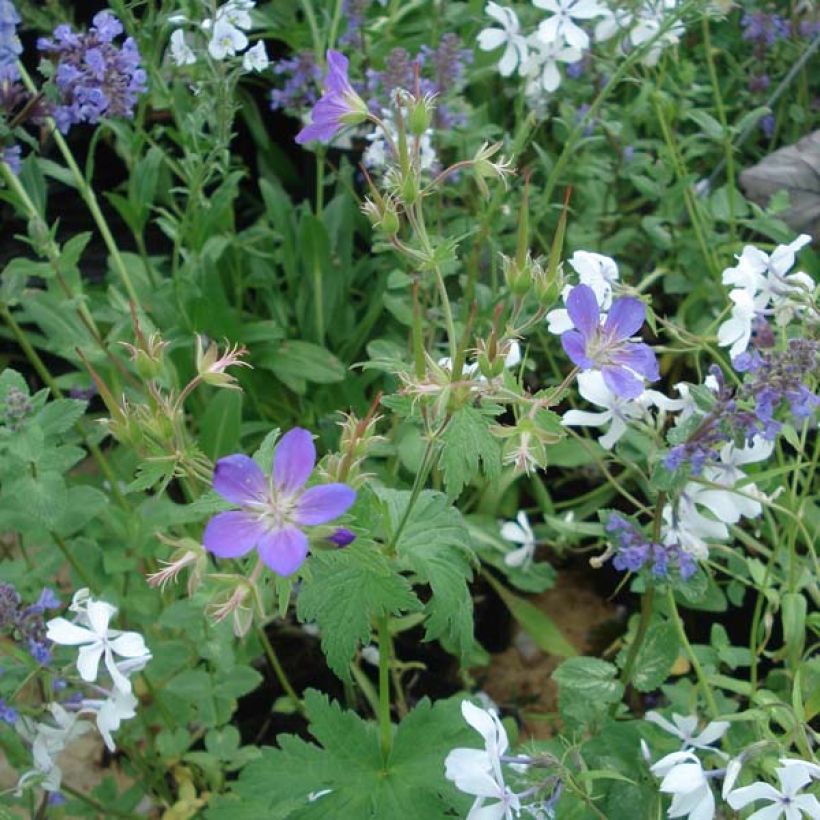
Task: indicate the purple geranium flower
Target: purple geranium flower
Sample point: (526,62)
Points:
(273,510)
(608,347)
(338,106)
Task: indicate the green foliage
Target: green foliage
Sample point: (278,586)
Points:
(346,776)
(344,594)
(466,442)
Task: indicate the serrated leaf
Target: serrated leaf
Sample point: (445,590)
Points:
(343,592)
(347,777)
(433,542)
(60,415)
(44,497)
(467,442)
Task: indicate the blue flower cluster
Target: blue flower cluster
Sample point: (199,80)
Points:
(303,79)
(634,551)
(10,46)
(764,29)
(25,625)
(94,76)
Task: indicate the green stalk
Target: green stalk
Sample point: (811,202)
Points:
(706,689)
(88,195)
(385,726)
(721,112)
(279,670)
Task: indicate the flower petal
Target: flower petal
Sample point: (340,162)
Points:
(739,798)
(284,551)
(62,631)
(88,661)
(321,504)
(583,309)
(639,357)
(232,534)
(99,615)
(575,347)
(622,382)
(293,460)
(129,645)
(626,316)
(239,479)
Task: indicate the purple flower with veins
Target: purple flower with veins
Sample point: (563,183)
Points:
(338,106)
(273,511)
(608,347)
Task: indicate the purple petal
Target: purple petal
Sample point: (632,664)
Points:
(231,534)
(318,505)
(640,358)
(625,318)
(583,309)
(574,346)
(622,382)
(293,460)
(239,480)
(284,551)
(337,81)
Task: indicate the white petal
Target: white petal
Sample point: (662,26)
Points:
(88,661)
(120,681)
(592,387)
(510,531)
(491,38)
(508,61)
(583,418)
(519,557)
(63,632)
(550,76)
(129,645)
(614,434)
(748,794)
(99,616)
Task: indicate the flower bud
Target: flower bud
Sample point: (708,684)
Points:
(211,366)
(383,215)
(409,190)
(420,115)
(517,276)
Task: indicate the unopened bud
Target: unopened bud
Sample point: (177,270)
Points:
(383,216)
(420,115)
(409,190)
(517,276)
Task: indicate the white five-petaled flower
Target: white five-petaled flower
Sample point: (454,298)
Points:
(787,802)
(686,527)
(256,58)
(684,778)
(181,53)
(561,25)
(730,505)
(226,40)
(736,332)
(98,641)
(519,533)
(509,35)
(766,279)
(684,729)
(542,64)
(478,771)
(595,270)
(618,410)
(112,711)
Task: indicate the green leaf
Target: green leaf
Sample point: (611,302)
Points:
(221,423)
(433,542)
(794,608)
(656,657)
(343,592)
(538,626)
(60,415)
(346,776)
(466,442)
(589,678)
(237,681)
(44,497)
(296,362)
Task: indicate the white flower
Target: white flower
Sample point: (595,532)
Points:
(685,527)
(684,778)
(509,36)
(256,58)
(612,22)
(767,280)
(47,741)
(733,768)
(542,64)
(812,769)
(236,13)
(181,53)
(726,505)
(648,23)
(519,533)
(684,727)
(98,641)
(119,706)
(561,25)
(595,270)
(478,771)
(737,329)
(226,40)
(785,802)
(370,653)
(619,411)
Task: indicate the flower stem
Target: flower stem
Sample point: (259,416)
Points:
(690,654)
(278,670)
(385,727)
(87,193)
